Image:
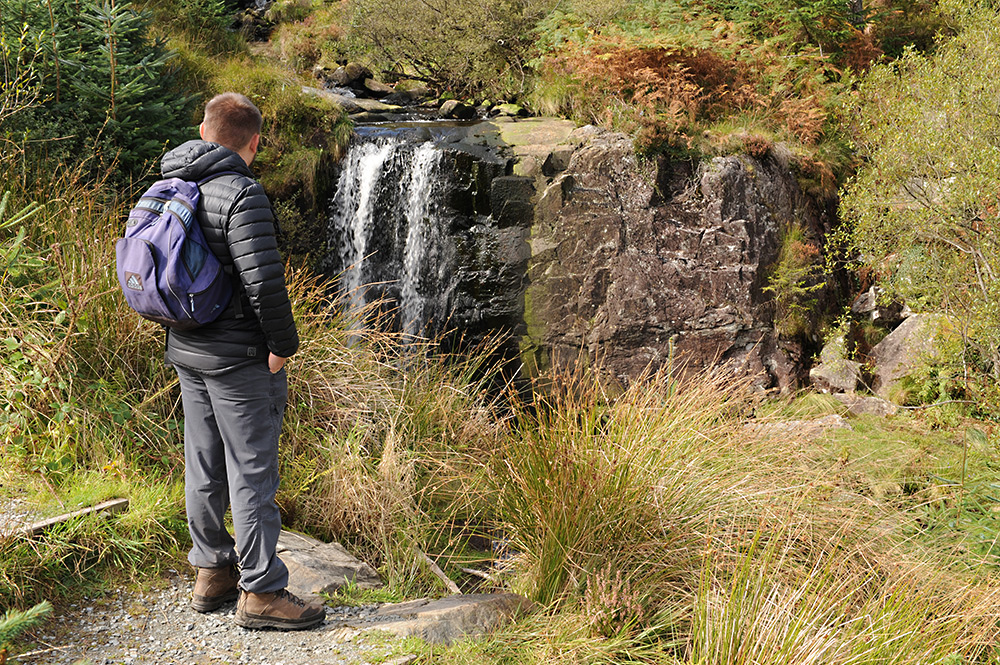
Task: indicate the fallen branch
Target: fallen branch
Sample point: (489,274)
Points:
(480,574)
(111,507)
(451,586)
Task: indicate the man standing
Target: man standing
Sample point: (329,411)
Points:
(233,382)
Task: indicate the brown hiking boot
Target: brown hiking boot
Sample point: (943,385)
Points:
(281,610)
(213,587)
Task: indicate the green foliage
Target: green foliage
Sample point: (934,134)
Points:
(19,88)
(923,210)
(15,622)
(107,85)
(794,281)
(317,39)
(303,138)
(472,47)
(204,23)
(289,11)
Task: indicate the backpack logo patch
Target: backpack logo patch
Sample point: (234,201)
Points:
(133,281)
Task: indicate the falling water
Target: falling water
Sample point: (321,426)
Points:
(386,193)
(422,237)
(354,210)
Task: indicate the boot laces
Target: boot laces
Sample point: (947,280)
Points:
(291,597)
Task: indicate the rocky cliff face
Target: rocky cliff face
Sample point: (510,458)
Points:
(564,239)
(637,264)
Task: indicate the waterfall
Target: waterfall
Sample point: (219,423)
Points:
(386,192)
(354,209)
(422,238)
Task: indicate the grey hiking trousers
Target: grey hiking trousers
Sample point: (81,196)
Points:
(231,428)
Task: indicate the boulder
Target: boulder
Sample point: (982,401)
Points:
(409,92)
(835,373)
(840,377)
(377,88)
(448,619)
(349,104)
(509,110)
(457,110)
(912,343)
(889,314)
(351,75)
(315,567)
(859,405)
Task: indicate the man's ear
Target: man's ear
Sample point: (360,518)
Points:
(254,143)
(201,131)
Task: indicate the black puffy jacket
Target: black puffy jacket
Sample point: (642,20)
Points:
(238,221)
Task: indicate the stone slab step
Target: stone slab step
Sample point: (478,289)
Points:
(315,567)
(445,620)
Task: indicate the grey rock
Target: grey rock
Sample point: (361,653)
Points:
(368,117)
(446,620)
(913,342)
(835,373)
(840,377)
(642,264)
(377,88)
(858,405)
(315,567)
(799,429)
(456,109)
(349,104)
(352,74)
(557,161)
(409,92)
(509,110)
(511,200)
(888,314)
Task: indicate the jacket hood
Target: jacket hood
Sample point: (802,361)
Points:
(197,160)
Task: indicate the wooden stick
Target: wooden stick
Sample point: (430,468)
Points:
(479,573)
(112,507)
(452,587)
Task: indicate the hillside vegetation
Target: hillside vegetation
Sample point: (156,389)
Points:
(667,522)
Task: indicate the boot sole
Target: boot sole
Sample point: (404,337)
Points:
(208,603)
(258,622)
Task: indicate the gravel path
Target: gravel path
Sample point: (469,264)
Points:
(14,514)
(159,627)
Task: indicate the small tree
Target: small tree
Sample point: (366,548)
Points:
(924,211)
(104,83)
(15,622)
(477,46)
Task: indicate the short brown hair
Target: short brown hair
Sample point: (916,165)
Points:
(232,120)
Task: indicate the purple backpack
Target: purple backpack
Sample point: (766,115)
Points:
(165,267)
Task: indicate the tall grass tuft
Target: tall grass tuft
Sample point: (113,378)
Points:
(590,480)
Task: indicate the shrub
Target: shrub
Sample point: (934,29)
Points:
(922,209)
(795,278)
(470,47)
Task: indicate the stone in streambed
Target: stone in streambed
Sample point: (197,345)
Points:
(457,110)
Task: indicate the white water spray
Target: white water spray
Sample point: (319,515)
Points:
(422,237)
(354,210)
(386,193)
